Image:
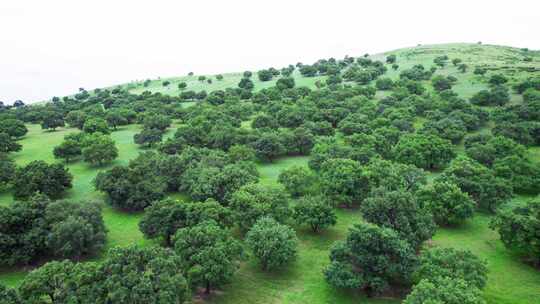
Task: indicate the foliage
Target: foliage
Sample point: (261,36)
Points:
(297,180)
(371,258)
(273,244)
(208,253)
(519,229)
(446,202)
(314,211)
(424,151)
(38,176)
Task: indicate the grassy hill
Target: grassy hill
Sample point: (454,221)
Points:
(510,280)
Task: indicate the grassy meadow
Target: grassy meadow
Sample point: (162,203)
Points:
(510,281)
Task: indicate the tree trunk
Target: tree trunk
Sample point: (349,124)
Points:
(207,289)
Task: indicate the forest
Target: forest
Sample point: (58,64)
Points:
(410,176)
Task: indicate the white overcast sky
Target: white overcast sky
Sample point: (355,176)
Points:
(50,48)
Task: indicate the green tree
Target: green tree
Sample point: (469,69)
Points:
(488,191)
(297,180)
(400,211)
(519,229)
(446,202)
(51,281)
(156,121)
(143,275)
(115,119)
(13,127)
(67,150)
(148,137)
(285,83)
(51,120)
(425,151)
(209,255)
(343,181)
(8,144)
(253,201)
(272,243)
(99,149)
(371,258)
(444,290)
(75,229)
(315,211)
(94,125)
(246,84)
(9,295)
(268,146)
(38,176)
(7,169)
(163,218)
(452,263)
(441,83)
(76,119)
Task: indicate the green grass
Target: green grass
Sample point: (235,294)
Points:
(510,280)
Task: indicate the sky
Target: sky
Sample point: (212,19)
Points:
(52,48)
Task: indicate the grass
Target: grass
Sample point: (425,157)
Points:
(510,280)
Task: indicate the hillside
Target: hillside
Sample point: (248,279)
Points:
(510,279)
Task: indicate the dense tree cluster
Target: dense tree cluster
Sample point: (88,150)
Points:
(37,228)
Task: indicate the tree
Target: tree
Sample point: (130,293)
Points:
(343,181)
(38,176)
(272,243)
(488,191)
(247,74)
(425,151)
(268,146)
(208,253)
(285,83)
(314,211)
(265,75)
(182,85)
(148,137)
(51,281)
(68,150)
(441,83)
(143,275)
(163,218)
(7,169)
(127,189)
(452,263)
(52,120)
(156,121)
(391,58)
(519,229)
(446,202)
(456,61)
(479,71)
(9,296)
(115,119)
(238,153)
(297,180)
(497,79)
(264,121)
(384,84)
(75,229)
(444,290)
(399,211)
(99,149)
(371,258)
(254,201)
(13,127)
(463,67)
(94,125)
(8,144)
(246,84)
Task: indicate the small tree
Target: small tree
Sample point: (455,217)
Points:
(13,127)
(52,120)
(68,150)
(399,211)
(391,58)
(519,229)
(208,253)
(444,290)
(314,211)
(371,258)
(38,176)
(268,147)
(246,84)
(343,181)
(99,149)
(148,137)
(297,180)
(94,125)
(7,169)
(182,85)
(452,263)
(8,144)
(253,201)
(273,244)
(456,61)
(446,202)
